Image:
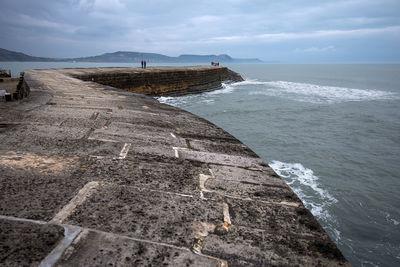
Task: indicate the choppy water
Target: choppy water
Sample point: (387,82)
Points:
(331,131)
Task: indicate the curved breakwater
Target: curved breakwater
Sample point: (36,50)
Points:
(141,182)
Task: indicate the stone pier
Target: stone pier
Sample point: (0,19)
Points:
(160,81)
(93,175)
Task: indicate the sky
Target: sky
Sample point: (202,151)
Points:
(306,31)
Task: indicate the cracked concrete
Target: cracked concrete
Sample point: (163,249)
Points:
(143,182)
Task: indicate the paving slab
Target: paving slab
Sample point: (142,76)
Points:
(24,243)
(149,171)
(153,215)
(96,248)
(36,186)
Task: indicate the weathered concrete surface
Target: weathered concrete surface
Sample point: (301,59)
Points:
(139,183)
(23,243)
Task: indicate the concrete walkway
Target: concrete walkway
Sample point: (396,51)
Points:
(91,175)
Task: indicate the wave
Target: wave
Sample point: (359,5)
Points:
(226,88)
(205,98)
(319,93)
(304,92)
(305,184)
(181,101)
(389,218)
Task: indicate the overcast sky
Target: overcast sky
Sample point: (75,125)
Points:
(272,30)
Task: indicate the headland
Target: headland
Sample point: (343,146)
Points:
(93,174)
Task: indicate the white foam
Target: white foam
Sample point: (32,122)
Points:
(391,220)
(204,98)
(176,101)
(317,199)
(305,184)
(250,82)
(226,89)
(304,92)
(319,93)
(164,99)
(336,235)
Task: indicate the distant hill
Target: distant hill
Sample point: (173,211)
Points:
(129,57)
(125,57)
(7,55)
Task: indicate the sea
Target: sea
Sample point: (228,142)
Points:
(331,131)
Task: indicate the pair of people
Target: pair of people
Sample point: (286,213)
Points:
(143,64)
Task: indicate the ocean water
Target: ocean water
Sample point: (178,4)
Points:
(332,132)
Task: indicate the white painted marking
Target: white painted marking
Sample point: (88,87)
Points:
(94,115)
(225,210)
(222,263)
(174,136)
(292,204)
(202,181)
(182,195)
(202,184)
(201,231)
(70,232)
(10,218)
(181,148)
(124,151)
(105,127)
(176,148)
(77,200)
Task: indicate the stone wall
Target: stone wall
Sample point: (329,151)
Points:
(163,80)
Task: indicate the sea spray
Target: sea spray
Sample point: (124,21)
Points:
(319,94)
(305,184)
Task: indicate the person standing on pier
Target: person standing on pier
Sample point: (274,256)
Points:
(142,63)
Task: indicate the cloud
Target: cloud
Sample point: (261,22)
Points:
(314,49)
(256,28)
(101,4)
(285,36)
(29,21)
(205,19)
